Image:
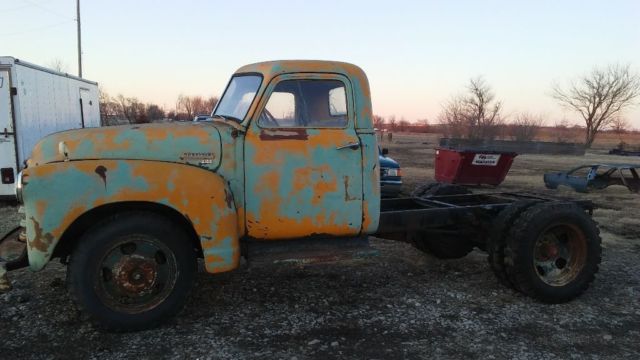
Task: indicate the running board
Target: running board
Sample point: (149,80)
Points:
(308,251)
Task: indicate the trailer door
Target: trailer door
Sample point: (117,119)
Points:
(8,159)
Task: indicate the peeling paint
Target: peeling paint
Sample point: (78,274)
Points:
(229,180)
(102,172)
(199,193)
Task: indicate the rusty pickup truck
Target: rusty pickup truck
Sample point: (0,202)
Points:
(287,171)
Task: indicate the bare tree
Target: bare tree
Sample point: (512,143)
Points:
(211,103)
(58,65)
(454,117)
(476,115)
(185,104)
(403,124)
(198,105)
(525,127)
(109,108)
(600,96)
(131,109)
(154,112)
(393,122)
(121,101)
(378,121)
(620,125)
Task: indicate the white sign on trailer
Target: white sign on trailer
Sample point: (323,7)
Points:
(486,159)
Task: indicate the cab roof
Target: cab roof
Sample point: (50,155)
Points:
(270,69)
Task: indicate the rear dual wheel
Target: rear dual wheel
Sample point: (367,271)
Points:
(442,246)
(550,252)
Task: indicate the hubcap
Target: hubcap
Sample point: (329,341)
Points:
(136,274)
(560,254)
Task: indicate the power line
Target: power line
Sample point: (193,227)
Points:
(38,28)
(45,8)
(16,8)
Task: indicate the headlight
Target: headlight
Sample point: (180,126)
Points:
(19,188)
(393,172)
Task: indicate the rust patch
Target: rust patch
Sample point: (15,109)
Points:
(102,172)
(291,134)
(346,190)
(135,275)
(40,242)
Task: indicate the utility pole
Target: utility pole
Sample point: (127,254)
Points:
(79,39)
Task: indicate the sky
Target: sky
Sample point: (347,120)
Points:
(417,54)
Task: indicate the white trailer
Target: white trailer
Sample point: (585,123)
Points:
(35,102)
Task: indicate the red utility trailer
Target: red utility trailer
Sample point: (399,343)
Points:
(472,167)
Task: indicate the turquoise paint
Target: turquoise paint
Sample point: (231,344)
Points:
(228,144)
(224,250)
(70,188)
(298,205)
(131,143)
(370,179)
(65,190)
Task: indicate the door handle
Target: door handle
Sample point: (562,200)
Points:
(352,146)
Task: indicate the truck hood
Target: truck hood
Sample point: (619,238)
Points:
(191,143)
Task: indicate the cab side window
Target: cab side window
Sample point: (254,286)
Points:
(306,103)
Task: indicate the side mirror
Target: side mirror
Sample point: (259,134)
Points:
(385,151)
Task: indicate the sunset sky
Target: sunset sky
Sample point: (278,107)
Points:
(416,53)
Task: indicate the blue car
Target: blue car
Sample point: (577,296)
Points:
(390,176)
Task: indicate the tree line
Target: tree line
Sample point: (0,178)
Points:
(599,97)
(122,109)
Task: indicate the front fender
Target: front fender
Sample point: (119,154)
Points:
(57,194)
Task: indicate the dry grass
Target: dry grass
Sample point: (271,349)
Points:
(618,208)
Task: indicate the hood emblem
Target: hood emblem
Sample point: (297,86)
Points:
(201,158)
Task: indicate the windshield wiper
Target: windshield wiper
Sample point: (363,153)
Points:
(227,117)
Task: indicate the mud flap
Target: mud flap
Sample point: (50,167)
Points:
(13,255)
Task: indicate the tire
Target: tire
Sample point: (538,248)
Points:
(443,246)
(552,252)
(132,271)
(438,189)
(497,238)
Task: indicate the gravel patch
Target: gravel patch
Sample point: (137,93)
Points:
(400,304)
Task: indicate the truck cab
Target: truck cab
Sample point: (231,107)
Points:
(290,154)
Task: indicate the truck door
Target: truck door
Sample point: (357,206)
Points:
(303,161)
(8,160)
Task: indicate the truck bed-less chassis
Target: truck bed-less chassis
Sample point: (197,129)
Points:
(131,209)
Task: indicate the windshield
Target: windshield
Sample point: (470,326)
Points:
(238,97)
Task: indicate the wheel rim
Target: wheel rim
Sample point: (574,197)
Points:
(136,274)
(560,254)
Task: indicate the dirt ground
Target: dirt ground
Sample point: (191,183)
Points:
(401,304)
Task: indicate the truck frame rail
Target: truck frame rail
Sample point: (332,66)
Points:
(465,211)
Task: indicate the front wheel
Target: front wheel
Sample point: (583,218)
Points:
(132,271)
(552,252)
